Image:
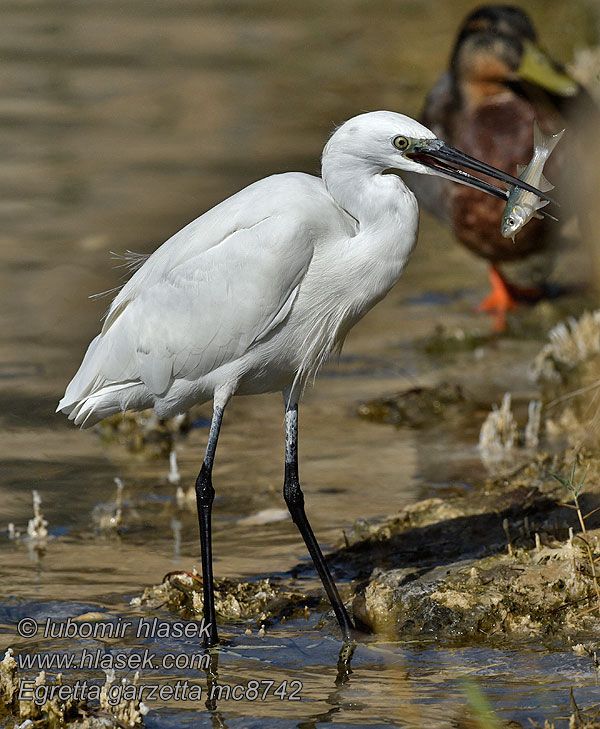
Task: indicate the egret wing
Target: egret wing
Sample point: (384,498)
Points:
(211,291)
(208,309)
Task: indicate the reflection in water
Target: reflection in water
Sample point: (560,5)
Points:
(119,124)
(337,699)
(212,680)
(344,667)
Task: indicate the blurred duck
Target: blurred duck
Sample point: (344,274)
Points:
(498,83)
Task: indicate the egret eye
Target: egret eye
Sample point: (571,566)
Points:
(401,143)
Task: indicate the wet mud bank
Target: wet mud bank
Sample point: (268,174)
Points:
(517,556)
(507,565)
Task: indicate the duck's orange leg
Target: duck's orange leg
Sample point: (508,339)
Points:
(504,297)
(500,300)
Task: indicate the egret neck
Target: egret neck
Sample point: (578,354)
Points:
(386,214)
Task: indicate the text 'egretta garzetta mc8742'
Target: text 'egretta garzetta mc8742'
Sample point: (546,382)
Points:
(253,295)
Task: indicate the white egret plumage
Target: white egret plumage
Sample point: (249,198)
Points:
(253,296)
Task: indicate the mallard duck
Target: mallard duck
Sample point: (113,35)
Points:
(498,82)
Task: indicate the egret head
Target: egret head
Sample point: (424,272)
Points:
(384,142)
(377,139)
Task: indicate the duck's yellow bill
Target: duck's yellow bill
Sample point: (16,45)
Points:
(537,68)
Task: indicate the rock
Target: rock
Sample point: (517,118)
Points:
(414,408)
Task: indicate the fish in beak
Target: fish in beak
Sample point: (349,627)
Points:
(446,161)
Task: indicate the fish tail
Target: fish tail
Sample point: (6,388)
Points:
(544,143)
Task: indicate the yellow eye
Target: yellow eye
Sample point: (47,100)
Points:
(401,143)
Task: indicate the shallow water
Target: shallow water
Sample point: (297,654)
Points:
(118,125)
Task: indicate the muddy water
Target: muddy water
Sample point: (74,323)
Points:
(119,124)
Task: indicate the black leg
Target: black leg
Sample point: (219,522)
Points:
(205,495)
(294,498)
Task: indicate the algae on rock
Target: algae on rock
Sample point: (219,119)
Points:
(181,592)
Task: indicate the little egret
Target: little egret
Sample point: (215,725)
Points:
(253,295)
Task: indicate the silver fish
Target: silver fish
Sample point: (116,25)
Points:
(522,205)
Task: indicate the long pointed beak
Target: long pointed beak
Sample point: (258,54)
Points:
(443,158)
